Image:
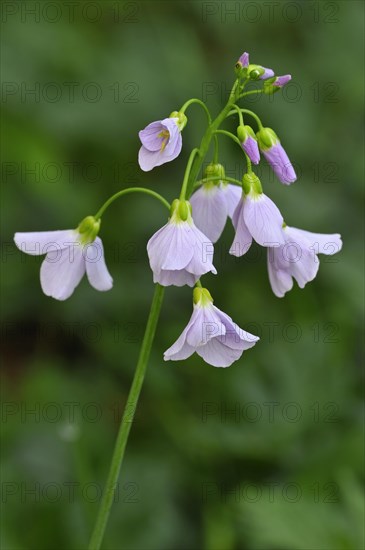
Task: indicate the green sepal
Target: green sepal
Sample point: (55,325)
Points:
(269,89)
(255,71)
(182,119)
(181,210)
(202,296)
(214,170)
(266,138)
(88,229)
(243,132)
(250,182)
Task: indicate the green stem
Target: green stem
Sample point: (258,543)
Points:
(239,113)
(131,190)
(192,156)
(199,102)
(125,426)
(251,113)
(205,142)
(216,150)
(251,92)
(230,135)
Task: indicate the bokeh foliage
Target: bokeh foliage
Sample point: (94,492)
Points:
(284,470)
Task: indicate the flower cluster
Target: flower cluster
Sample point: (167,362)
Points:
(182,251)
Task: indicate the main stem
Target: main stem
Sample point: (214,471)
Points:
(125,426)
(204,145)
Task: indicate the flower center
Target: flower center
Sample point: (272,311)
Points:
(165,135)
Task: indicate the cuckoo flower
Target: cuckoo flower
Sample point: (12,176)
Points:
(248,140)
(254,72)
(276,156)
(161,141)
(211,334)
(256,216)
(298,258)
(179,253)
(213,202)
(69,254)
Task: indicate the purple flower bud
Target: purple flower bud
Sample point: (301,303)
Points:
(279,161)
(280,81)
(269,73)
(251,149)
(297,258)
(244,59)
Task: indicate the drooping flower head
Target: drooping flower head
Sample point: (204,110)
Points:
(161,141)
(248,140)
(256,217)
(275,155)
(179,253)
(297,258)
(213,202)
(245,69)
(211,334)
(69,254)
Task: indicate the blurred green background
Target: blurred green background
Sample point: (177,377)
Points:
(267,454)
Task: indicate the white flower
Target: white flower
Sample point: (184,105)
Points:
(211,205)
(211,334)
(179,253)
(69,254)
(298,258)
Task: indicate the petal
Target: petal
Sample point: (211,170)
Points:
(96,270)
(282,80)
(217,354)
(42,242)
(209,208)
(251,148)
(235,337)
(180,349)
(233,194)
(243,238)
(176,278)
(149,136)
(279,161)
(162,251)
(305,268)
(263,220)
(320,243)
(204,325)
(280,280)
(60,275)
(203,252)
(149,159)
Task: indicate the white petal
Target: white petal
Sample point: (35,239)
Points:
(209,211)
(180,349)
(233,194)
(235,337)
(263,220)
(280,279)
(96,270)
(243,238)
(203,252)
(176,278)
(320,243)
(179,249)
(217,354)
(204,325)
(60,275)
(42,242)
